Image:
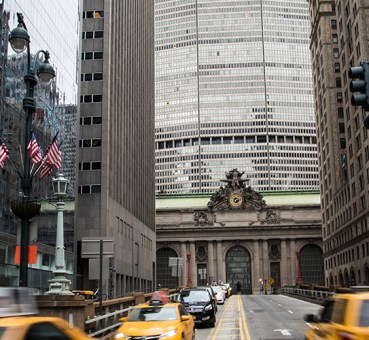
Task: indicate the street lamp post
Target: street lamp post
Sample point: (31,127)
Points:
(25,208)
(59,285)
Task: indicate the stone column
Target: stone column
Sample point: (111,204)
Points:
(193,264)
(257,272)
(283,273)
(293,262)
(184,267)
(265,260)
(211,272)
(220,270)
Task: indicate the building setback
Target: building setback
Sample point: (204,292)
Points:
(339,40)
(233,86)
(116,195)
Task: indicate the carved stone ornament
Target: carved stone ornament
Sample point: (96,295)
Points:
(271,217)
(201,218)
(201,254)
(235,195)
(274,251)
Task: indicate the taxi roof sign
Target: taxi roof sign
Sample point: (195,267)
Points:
(17,301)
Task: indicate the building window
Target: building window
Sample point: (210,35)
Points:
(334,24)
(93,14)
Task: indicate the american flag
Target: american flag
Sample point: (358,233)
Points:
(52,159)
(4,153)
(34,150)
(46,169)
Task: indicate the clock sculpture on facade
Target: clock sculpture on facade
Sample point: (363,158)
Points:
(235,194)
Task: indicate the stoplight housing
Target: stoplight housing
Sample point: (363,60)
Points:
(359,85)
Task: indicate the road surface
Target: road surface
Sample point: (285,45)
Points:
(259,317)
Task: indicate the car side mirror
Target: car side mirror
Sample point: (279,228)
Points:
(123,319)
(186,317)
(311,318)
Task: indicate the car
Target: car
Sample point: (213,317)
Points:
(219,294)
(213,295)
(227,288)
(38,327)
(344,316)
(19,319)
(199,303)
(157,319)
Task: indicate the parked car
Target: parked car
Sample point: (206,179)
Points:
(227,288)
(157,319)
(199,303)
(220,294)
(213,295)
(344,316)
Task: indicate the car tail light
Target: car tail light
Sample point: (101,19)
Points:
(347,336)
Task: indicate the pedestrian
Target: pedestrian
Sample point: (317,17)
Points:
(261,286)
(239,286)
(265,287)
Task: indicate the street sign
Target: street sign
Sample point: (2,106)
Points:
(175,261)
(91,247)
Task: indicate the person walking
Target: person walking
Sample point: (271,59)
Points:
(239,286)
(265,287)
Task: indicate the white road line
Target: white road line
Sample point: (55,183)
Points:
(289,311)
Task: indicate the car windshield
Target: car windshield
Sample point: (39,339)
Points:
(194,296)
(217,289)
(153,314)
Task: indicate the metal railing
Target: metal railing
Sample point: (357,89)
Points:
(309,293)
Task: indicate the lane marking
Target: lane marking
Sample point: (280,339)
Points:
(289,311)
(283,331)
(244,321)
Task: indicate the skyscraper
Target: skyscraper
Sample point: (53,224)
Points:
(116,193)
(233,90)
(339,40)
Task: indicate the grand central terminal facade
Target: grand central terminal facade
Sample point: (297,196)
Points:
(236,235)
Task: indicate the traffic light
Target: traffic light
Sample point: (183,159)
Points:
(359,85)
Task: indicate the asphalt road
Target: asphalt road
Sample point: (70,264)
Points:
(259,317)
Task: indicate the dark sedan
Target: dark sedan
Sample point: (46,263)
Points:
(199,303)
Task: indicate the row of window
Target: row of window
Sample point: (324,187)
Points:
(91,98)
(95,120)
(90,143)
(89,166)
(93,34)
(92,55)
(232,140)
(89,189)
(93,14)
(91,76)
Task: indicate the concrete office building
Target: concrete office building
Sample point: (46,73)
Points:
(116,193)
(339,40)
(233,85)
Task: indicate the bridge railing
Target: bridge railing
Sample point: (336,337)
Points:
(309,293)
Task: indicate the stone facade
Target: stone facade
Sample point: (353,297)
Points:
(272,237)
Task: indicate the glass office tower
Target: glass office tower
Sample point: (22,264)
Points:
(234,90)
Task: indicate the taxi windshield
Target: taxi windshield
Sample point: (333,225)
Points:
(153,314)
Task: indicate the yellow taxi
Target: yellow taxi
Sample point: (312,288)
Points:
(157,319)
(343,317)
(19,320)
(38,327)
